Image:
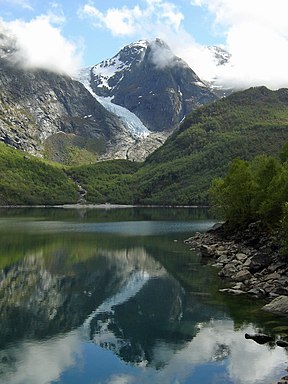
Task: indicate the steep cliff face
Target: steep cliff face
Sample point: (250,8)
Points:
(35,105)
(150,81)
(49,114)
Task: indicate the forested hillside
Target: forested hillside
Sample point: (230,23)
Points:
(244,125)
(26,180)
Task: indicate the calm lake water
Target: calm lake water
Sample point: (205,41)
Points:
(116,297)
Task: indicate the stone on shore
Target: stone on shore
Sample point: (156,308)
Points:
(278,305)
(242,276)
(248,259)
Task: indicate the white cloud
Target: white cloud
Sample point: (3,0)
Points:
(135,21)
(161,56)
(42,362)
(256,36)
(40,44)
(119,21)
(219,339)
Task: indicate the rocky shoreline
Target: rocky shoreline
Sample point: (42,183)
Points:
(249,260)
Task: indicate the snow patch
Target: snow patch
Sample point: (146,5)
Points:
(107,69)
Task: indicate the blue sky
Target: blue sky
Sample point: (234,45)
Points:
(100,42)
(69,34)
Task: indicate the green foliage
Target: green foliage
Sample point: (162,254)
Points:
(243,125)
(256,190)
(107,181)
(235,192)
(71,149)
(25,180)
(284,231)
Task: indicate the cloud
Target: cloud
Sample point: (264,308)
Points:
(41,362)
(161,55)
(118,21)
(135,21)
(218,340)
(40,44)
(256,35)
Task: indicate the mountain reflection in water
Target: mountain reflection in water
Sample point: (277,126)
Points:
(92,310)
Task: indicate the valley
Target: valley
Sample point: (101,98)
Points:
(134,129)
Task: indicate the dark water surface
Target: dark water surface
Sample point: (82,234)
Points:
(116,297)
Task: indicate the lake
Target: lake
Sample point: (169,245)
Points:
(114,296)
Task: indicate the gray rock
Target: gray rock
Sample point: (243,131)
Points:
(272,276)
(223,259)
(258,292)
(238,286)
(247,263)
(242,276)
(228,271)
(278,305)
(206,250)
(41,109)
(236,292)
(241,257)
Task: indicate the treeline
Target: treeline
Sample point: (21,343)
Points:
(254,190)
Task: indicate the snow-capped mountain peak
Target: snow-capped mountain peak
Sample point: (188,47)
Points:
(112,69)
(220,55)
(147,78)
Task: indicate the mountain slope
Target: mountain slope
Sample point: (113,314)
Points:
(244,124)
(149,80)
(37,105)
(26,180)
(51,115)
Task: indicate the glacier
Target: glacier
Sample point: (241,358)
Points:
(135,128)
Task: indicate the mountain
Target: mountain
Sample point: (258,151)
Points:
(28,180)
(221,56)
(149,80)
(40,111)
(244,124)
(51,115)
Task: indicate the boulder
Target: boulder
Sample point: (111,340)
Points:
(278,305)
(260,261)
(284,380)
(242,276)
(259,338)
(241,257)
(206,251)
(272,276)
(282,343)
(228,270)
(232,291)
